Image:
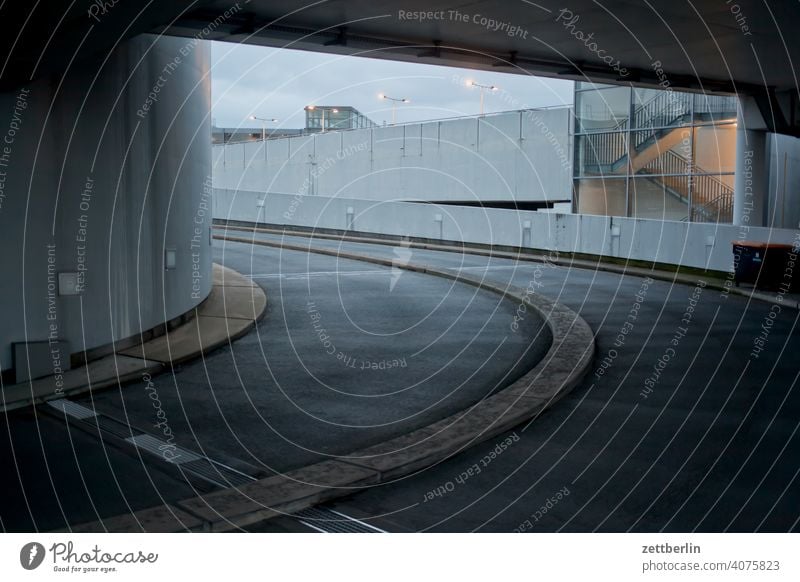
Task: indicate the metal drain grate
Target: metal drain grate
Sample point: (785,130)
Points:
(72,409)
(191,464)
(117,428)
(217,473)
(151,444)
(327,520)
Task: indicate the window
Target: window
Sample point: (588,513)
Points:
(603,196)
(603,109)
(666,155)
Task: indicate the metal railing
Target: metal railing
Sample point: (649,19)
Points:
(651,120)
(711,199)
(662,110)
(530,111)
(603,149)
(658,116)
(716,105)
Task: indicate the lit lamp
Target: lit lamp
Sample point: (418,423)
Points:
(394,101)
(471,83)
(263,121)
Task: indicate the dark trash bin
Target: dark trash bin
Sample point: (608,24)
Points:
(766,265)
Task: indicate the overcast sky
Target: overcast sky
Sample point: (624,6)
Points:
(279,83)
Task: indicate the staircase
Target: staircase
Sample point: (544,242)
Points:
(607,152)
(657,128)
(712,199)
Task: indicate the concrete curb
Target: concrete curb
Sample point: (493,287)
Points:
(187,341)
(562,368)
(231,310)
(712,282)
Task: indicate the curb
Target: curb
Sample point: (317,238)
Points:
(539,256)
(564,365)
(127,364)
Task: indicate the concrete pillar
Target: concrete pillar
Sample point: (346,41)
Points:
(752,176)
(105,207)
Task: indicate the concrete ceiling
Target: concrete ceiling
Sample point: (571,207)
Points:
(50,36)
(746,46)
(701,44)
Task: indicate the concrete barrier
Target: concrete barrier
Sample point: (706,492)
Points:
(685,244)
(514,155)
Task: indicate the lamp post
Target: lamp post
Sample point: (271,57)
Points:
(263,121)
(313,107)
(472,83)
(394,101)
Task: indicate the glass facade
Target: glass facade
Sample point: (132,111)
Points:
(336,118)
(653,153)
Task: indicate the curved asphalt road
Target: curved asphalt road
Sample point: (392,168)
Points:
(349,355)
(683,426)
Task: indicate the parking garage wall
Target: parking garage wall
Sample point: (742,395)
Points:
(699,245)
(513,156)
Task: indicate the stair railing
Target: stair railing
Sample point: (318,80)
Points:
(712,199)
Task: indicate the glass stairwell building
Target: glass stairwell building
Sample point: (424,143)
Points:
(655,154)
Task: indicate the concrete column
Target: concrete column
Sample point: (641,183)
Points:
(105,201)
(752,177)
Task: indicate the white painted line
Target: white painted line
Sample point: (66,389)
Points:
(325,520)
(358,521)
(310,526)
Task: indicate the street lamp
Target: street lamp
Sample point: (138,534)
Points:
(313,107)
(394,104)
(472,83)
(263,121)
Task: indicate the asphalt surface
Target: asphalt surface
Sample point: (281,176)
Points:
(55,474)
(689,421)
(348,355)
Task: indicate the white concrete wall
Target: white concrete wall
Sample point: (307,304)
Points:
(147,176)
(519,155)
(784,180)
(689,244)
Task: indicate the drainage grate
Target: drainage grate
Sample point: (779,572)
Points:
(217,473)
(151,444)
(190,463)
(71,408)
(115,427)
(327,520)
